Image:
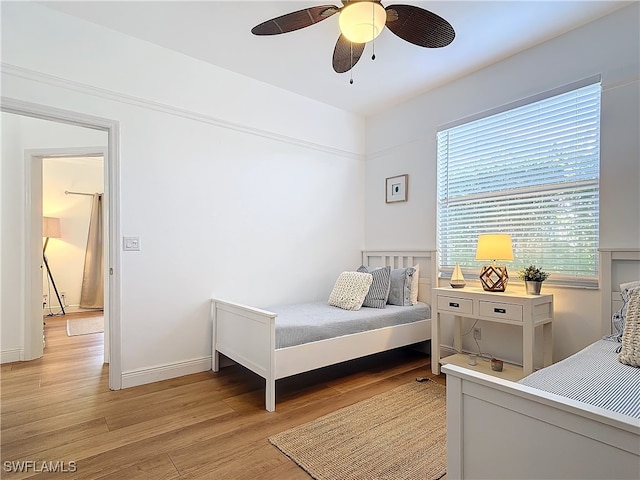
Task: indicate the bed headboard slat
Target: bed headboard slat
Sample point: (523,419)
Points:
(617,265)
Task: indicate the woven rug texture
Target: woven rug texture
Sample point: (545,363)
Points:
(399,434)
(85,326)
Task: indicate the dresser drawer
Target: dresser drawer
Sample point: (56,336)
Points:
(501,310)
(455,305)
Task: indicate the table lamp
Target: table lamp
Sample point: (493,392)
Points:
(494,247)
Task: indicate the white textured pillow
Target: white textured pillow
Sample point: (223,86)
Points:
(350,290)
(630,350)
(414,284)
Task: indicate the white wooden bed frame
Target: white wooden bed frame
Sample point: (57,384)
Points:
(503,430)
(247,336)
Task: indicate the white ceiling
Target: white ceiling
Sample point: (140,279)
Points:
(219,32)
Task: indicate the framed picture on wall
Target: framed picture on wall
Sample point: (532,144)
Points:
(397,188)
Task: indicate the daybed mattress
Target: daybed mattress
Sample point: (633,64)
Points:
(297,324)
(593,376)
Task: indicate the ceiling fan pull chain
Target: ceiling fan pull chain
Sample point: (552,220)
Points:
(351,63)
(373,31)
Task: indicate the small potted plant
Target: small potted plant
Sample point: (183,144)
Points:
(533,278)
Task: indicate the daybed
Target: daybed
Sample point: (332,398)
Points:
(579,418)
(257,339)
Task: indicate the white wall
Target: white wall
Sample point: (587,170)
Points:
(66,255)
(230,197)
(403,140)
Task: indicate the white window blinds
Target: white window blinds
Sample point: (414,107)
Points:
(532,172)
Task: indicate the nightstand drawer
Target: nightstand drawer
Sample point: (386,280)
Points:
(455,305)
(501,310)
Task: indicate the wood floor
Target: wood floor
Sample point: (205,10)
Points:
(59,410)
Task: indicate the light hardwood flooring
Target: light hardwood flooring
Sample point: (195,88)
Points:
(59,410)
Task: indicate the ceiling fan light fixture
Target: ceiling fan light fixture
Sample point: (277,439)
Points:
(361,22)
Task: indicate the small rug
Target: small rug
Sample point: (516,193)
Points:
(85,326)
(399,434)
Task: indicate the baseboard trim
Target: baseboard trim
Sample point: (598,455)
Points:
(11,355)
(143,376)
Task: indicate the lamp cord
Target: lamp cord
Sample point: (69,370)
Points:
(480,354)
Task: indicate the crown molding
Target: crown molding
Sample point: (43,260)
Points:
(59,82)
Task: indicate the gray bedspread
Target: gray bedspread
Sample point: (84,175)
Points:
(309,322)
(594,376)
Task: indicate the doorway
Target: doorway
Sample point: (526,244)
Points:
(29,309)
(74,286)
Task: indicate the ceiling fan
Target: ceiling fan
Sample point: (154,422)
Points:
(360,22)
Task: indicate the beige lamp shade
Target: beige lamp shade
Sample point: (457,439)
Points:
(494,246)
(361,22)
(51,227)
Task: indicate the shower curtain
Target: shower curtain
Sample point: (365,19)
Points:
(92,293)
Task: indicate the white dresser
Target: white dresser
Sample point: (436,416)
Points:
(526,311)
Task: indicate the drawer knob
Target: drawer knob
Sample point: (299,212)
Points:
(500,310)
(453,304)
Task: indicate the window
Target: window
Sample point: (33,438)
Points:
(531,171)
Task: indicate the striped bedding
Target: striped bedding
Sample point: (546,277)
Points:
(593,376)
(310,322)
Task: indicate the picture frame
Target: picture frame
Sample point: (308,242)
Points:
(396,188)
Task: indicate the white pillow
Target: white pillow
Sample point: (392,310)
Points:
(350,290)
(414,285)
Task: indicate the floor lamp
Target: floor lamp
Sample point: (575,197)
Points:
(51,229)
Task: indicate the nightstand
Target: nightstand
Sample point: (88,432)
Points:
(525,311)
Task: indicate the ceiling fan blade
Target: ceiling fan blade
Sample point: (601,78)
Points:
(344,58)
(419,26)
(295,20)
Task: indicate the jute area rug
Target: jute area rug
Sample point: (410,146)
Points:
(85,326)
(400,434)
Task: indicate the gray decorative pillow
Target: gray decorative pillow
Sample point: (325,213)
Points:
(350,289)
(400,291)
(630,350)
(379,289)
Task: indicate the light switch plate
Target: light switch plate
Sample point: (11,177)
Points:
(131,244)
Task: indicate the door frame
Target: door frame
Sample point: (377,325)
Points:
(34,164)
(112,253)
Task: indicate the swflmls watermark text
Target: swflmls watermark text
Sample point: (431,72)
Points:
(34,466)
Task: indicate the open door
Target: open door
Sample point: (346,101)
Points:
(34,333)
